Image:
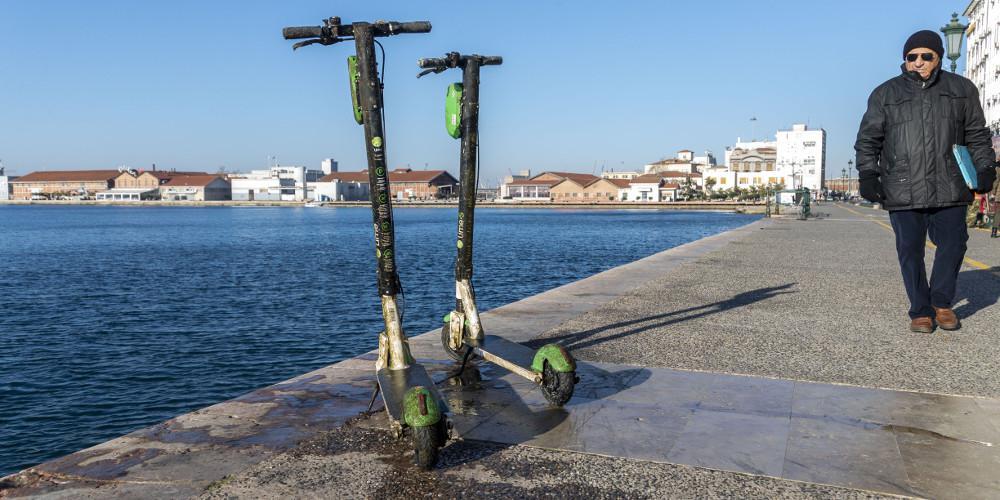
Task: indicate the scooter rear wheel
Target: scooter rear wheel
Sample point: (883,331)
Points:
(557,387)
(427,442)
(458,355)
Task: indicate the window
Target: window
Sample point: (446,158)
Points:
(743,180)
(723,181)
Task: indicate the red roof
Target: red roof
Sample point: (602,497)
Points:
(622,183)
(407,175)
(581,179)
(192,180)
(70,176)
(532,182)
(671,185)
(166,174)
(647,179)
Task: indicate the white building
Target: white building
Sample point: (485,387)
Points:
(685,162)
(623,175)
(6,190)
(328,166)
(982,57)
(341,186)
(796,159)
(644,188)
(802,155)
(278,183)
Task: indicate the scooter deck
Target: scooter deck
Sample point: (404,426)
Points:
(511,351)
(395,383)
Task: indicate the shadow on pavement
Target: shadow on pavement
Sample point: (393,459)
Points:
(579,340)
(980,288)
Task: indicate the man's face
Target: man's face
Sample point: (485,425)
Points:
(923,61)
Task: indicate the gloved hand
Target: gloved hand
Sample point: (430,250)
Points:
(869,187)
(985,180)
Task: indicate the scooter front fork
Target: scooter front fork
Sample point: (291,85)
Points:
(393,348)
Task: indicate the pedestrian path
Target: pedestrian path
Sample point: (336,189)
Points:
(774,359)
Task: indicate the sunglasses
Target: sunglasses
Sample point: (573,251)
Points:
(927,56)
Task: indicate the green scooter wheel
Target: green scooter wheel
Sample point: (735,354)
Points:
(458,355)
(557,387)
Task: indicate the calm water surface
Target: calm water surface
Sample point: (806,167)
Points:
(115,318)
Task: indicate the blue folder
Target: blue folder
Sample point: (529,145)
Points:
(965,165)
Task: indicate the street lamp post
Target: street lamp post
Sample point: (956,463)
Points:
(843,182)
(953,32)
(850,181)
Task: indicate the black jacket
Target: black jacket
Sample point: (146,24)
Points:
(907,134)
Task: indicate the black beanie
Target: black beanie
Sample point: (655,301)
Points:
(926,39)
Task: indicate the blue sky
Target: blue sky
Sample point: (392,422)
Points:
(200,85)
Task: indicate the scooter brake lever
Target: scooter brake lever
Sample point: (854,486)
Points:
(321,41)
(432,70)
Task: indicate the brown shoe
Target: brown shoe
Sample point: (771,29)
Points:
(922,325)
(946,318)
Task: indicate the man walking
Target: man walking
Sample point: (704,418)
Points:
(905,163)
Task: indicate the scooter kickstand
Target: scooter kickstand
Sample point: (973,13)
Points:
(371,402)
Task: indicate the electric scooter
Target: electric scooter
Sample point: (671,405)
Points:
(462,336)
(411,399)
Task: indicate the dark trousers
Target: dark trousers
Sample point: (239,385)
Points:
(946,228)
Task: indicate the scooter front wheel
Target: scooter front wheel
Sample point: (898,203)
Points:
(557,387)
(458,355)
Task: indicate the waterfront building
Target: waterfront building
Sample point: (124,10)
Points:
(797,158)
(522,175)
(623,175)
(6,188)
(802,156)
(538,188)
(196,188)
(328,166)
(697,179)
(128,194)
(645,188)
(139,185)
(341,186)
(982,58)
(278,183)
(409,184)
(685,162)
(406,183)
(527,190)
(56,184)
(670,191)
(597,190)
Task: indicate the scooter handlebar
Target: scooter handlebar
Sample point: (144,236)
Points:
(449,62)
(380,28)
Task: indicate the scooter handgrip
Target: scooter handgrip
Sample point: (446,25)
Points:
(411,27)
(432,62)
(295,32)
(492,60)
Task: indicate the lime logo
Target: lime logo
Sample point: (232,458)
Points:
(460,245)
(379,171)
(461,215)
(382,197)
(385,226)
(387,254)
(377,141)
